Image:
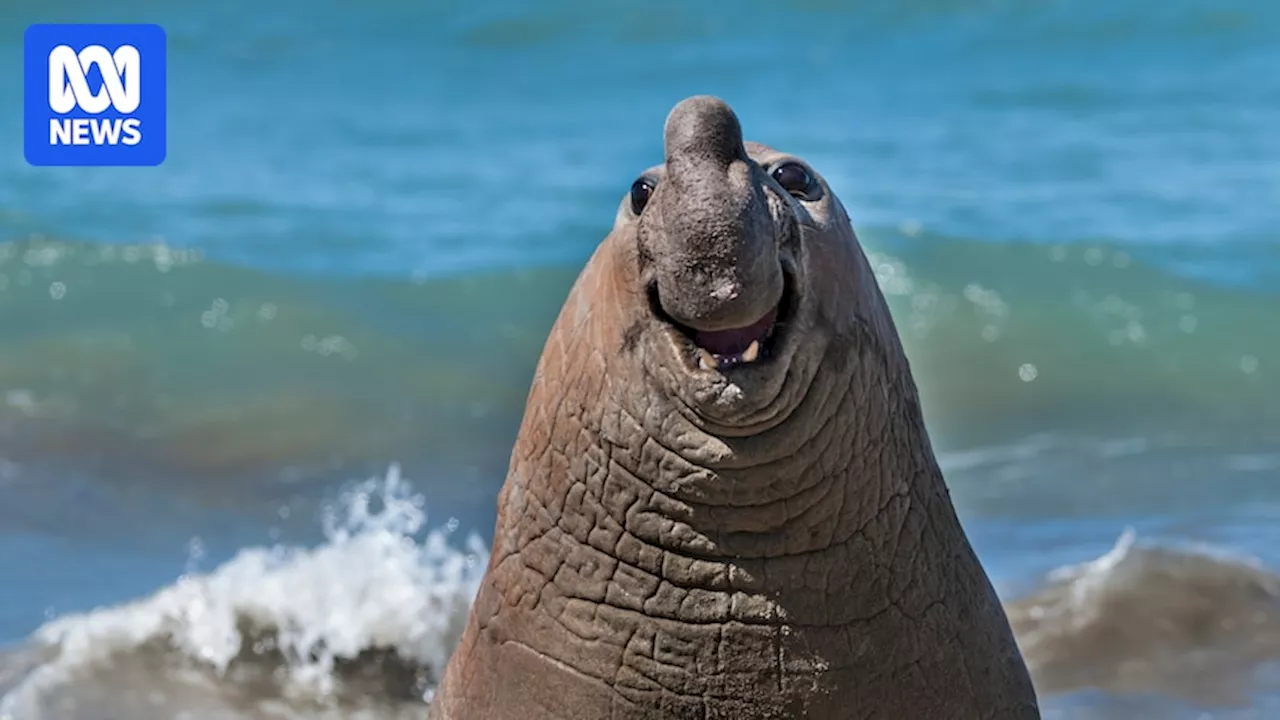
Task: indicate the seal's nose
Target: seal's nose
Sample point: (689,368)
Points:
(709,225)
(703,128)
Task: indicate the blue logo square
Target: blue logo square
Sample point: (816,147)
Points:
(94,95)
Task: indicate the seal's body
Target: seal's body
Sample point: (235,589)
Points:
(723,502)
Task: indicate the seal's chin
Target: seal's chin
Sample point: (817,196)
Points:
(724,350)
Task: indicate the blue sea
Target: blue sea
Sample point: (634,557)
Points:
(256,403)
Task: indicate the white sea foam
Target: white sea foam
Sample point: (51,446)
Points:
(371,587)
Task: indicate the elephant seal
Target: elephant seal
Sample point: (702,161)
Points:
(722,502)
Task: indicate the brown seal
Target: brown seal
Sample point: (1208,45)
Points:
(723,502)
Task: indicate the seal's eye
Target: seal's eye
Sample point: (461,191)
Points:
(795,179)
(641,191)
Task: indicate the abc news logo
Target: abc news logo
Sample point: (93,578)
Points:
(69,88)
(94,95)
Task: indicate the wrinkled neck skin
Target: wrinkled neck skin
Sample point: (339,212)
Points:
(689,548)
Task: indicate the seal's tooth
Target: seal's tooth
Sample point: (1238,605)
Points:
(752,352)
(706,360)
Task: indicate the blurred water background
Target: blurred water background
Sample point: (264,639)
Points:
(255,404)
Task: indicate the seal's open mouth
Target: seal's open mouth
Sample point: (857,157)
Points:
(723,349)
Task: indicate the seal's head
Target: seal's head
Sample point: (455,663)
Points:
(748,266)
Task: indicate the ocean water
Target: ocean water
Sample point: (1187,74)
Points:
(255,404)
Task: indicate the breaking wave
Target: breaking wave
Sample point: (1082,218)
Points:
(1146,624)
(359,626)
